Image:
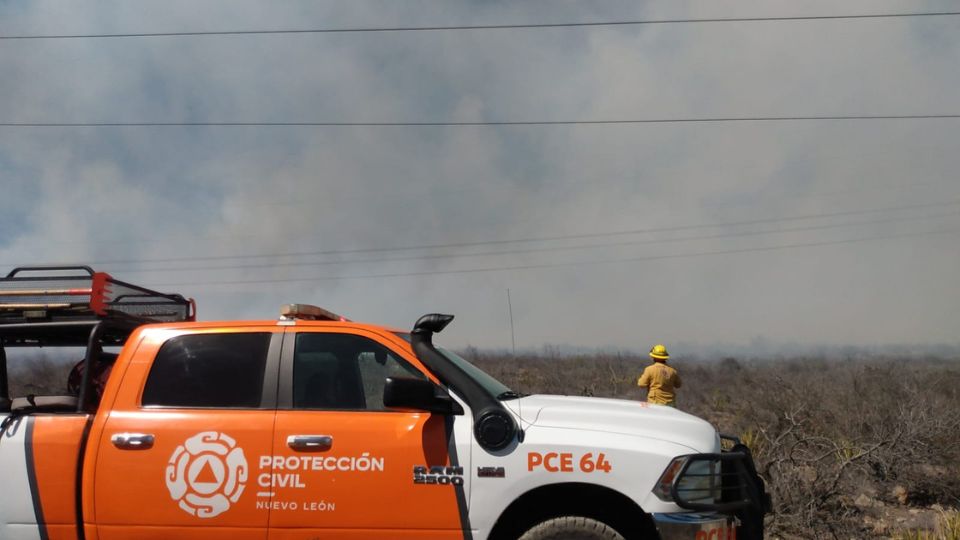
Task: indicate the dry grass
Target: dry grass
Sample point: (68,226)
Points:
(947,528)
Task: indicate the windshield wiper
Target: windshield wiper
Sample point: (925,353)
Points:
(509,394)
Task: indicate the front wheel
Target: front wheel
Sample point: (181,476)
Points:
(571,528)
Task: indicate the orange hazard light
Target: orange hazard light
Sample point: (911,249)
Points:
(308,313)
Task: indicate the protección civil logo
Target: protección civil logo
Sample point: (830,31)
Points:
(207,474)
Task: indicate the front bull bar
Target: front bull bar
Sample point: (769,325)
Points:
(742,493)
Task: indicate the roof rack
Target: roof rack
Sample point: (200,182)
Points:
(78,293)
(74,306)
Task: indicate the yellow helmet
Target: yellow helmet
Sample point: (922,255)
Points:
(659,352)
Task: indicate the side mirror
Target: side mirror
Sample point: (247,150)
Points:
(418,394)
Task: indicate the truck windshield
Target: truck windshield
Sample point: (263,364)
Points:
(495,387)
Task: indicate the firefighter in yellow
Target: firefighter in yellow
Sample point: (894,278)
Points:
(660,380)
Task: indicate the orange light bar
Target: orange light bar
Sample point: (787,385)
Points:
(308,312)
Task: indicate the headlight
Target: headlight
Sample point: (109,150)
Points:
(662,491)
(699,481)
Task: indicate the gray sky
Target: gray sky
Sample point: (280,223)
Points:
(172,199)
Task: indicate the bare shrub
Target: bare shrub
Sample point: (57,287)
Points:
(38,373)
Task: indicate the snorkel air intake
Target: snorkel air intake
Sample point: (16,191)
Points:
(493,426)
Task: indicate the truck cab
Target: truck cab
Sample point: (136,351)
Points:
(312,426)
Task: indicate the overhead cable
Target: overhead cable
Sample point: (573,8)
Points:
(529,239)
(557,265)
(197,33)
(505,123)
(528,251)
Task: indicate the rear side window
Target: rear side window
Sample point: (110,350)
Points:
(209,370)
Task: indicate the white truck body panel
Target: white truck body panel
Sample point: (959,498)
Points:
(638,418)
(630,435)
(18,519)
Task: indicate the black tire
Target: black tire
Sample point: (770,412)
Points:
(571,528)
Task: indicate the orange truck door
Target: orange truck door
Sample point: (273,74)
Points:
(345,467)
(176,456)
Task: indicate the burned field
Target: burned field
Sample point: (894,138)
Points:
(850,448)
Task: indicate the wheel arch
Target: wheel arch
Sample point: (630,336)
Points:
(574,499)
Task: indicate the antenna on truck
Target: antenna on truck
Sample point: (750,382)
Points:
(513,337)
(513,345)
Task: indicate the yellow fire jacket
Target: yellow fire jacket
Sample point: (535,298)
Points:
(661,381)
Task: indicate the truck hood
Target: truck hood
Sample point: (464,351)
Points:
(636,418)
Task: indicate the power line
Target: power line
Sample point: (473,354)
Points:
(504,123)
(559,265)
(480,27)
(580,236)
(261,266)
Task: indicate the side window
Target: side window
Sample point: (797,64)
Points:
(208,370)
(343,371)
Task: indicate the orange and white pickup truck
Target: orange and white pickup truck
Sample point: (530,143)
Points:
(312,426)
